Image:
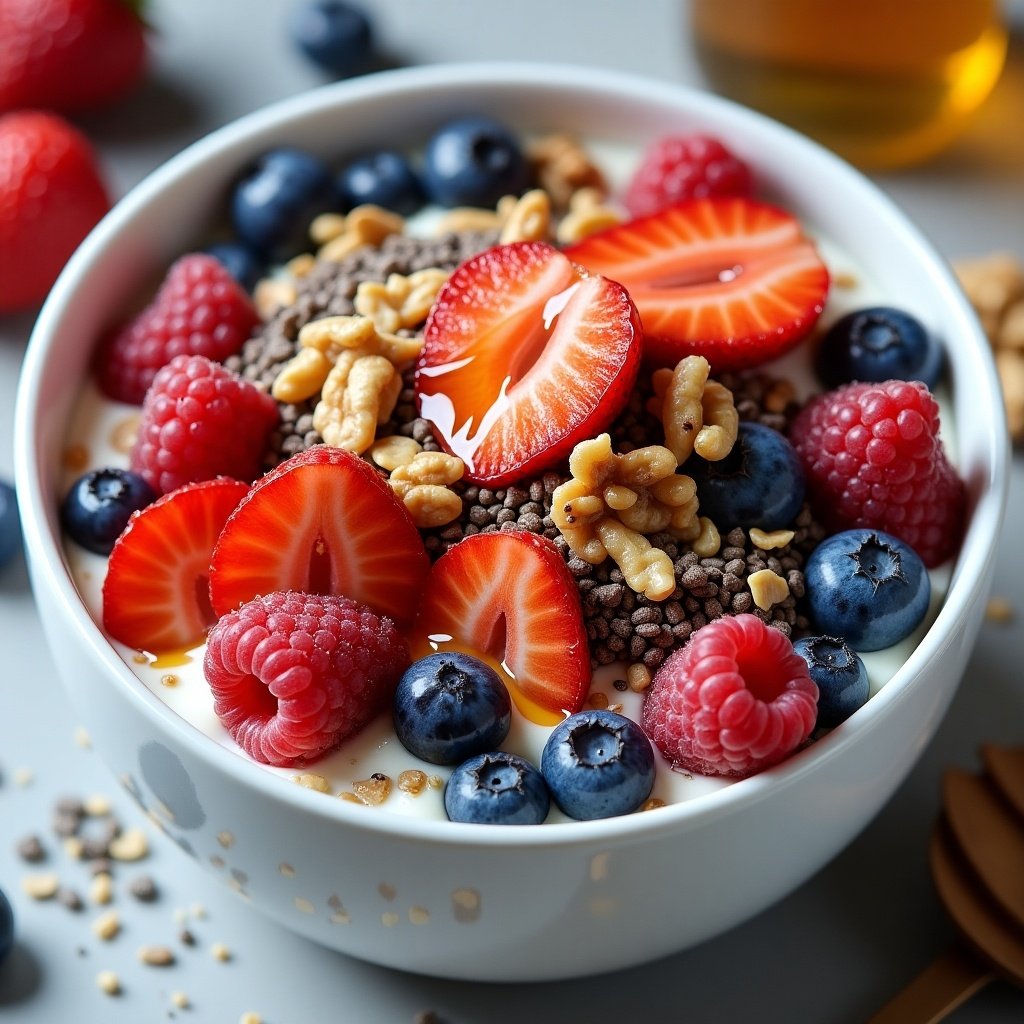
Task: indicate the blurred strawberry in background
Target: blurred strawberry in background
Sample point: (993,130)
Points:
(69,55)
(56,57)
(51,195)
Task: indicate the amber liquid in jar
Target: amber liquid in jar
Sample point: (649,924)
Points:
(885,83)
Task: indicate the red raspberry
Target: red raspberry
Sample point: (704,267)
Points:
(873,458)
(293,675)
(685,167)
(735,700)
(199,421)
(199,310)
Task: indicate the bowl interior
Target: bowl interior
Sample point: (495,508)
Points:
(171,211)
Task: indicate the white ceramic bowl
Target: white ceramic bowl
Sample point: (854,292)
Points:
(487,902)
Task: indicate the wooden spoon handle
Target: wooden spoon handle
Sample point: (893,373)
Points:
(949,980)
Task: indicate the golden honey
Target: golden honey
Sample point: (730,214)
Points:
(884,83)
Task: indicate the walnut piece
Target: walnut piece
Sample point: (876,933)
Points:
(698,414)
(563,166)
(402,301)
(356,369)
(613,500)
(423,483)
(363,225)
(587,215)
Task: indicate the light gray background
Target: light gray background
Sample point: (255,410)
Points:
(832,952)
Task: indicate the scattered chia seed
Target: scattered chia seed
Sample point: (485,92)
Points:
(70,899)
(143,888)
(31,849)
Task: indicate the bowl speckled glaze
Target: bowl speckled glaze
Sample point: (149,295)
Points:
(491,902)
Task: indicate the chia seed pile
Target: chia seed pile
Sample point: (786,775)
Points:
(622,625)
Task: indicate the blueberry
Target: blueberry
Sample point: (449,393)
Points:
(448,707)
(868,587)
(241,263)
(385,179)
(336,36)
(6,927)
(839,673)
(97,507)
(497,789)
(759,483)
(598,764)
(878,344)
(474,161)
(10,524)
(274,202)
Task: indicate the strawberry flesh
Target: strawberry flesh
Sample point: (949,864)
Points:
(524,355)
(156,594)
(322,522)
(727,278)
(510,599)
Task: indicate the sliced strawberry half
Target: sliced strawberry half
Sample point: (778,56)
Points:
(524,355)
(156,592)
(730,279)
(322,522)
(510,599)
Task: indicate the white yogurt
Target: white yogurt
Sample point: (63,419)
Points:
(96,424)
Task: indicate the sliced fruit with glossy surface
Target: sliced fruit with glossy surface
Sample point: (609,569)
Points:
(727,278)
(322,522)
(524,355)
(509,599)
(156,592)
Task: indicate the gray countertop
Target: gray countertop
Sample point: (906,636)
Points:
(833,951)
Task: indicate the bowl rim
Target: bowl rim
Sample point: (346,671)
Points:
(45,551)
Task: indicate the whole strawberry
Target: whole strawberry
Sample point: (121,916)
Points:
(873,458)
(69,55)
(199,310)
(51,195)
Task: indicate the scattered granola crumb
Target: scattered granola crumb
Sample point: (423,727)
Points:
(374,790)
(412,781)
(131,845)
(250,1018)
(652,803)
(107,926)
(41,886)
(96,806)
(286,869)
(186,938)
(220,952)
(156,956)
(108,982)
(82,738)
(310,780)
(1000,610)
(23,776)
(101,889)
(179,1000)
